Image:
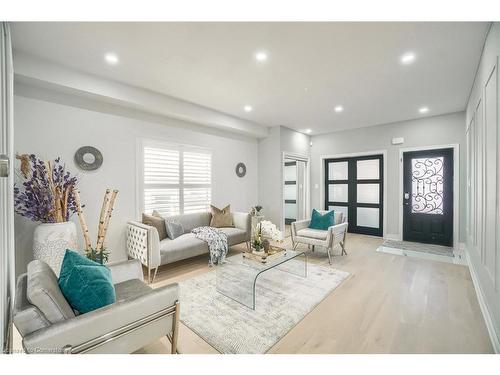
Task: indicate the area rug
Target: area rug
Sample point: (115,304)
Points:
(421,247)
(283,299)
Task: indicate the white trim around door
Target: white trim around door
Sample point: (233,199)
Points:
(456,190)
(349,155)
(297,157)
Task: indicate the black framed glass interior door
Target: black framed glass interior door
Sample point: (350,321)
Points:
(354,186)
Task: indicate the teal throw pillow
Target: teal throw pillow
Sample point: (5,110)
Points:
(85,284)
(322,222)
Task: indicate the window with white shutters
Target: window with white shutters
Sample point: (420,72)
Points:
(197,172)
(176,179)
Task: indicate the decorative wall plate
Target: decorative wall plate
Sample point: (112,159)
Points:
(88,158)
(241,169)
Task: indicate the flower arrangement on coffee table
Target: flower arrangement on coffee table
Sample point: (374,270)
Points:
(264,232)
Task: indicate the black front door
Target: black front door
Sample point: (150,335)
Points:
(428,196)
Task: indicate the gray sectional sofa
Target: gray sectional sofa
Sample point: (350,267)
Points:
(143,242)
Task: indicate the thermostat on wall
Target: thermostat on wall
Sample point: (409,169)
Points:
(398,141)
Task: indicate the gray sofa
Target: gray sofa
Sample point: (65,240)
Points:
(140,315)
(144,244)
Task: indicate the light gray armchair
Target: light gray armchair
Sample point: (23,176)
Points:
(335,235)
(140,315)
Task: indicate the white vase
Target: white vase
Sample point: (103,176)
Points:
(51,240)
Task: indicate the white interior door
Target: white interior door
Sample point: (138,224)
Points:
(301,190)
(290,192)
(295,188)
(6,185)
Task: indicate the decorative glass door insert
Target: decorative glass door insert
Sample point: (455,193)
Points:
(427,185)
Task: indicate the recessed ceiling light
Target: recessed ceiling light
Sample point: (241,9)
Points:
(407,58)
(248,108)
(111,58)
(423,109)
(338,108)
(308,131)
(261,56)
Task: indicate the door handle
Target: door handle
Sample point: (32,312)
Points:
(4,166)
(407,195)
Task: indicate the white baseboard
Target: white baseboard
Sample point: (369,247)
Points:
(459,253)
(494,336)
(392,236)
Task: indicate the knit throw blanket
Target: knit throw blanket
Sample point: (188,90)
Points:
(216,241)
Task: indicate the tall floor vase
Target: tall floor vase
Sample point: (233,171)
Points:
(51,240)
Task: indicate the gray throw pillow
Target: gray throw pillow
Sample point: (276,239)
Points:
(43,291)
(174,229)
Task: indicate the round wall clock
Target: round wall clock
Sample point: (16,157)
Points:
(88,158)
(241,169)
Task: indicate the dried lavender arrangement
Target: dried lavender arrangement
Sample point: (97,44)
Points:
(44,195)
(46,192)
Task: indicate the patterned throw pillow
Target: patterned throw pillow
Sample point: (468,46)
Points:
(221,218)
(157,222)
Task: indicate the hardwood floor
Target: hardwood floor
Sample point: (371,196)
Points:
(391,304)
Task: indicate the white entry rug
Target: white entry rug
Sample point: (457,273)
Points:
(282,300)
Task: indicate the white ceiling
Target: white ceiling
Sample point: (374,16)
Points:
(311,67)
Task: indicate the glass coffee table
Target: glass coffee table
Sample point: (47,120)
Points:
(238,277)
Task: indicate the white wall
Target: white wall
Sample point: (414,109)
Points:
(438,130)
(271,150)
(483,194)
(269,157)
(294,142)
(49,130)
(48,75)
